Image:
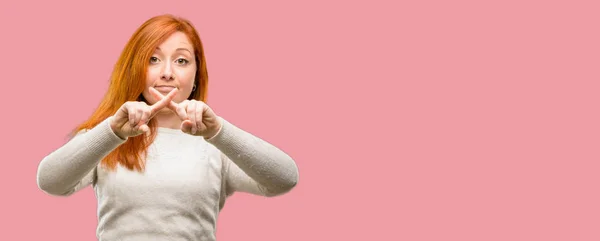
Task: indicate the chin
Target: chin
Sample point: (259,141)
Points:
(177,100)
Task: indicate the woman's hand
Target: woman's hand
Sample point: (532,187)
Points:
(198,118)
(132,118)
(201,119)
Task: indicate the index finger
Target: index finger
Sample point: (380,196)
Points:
(165,101)
(171,105)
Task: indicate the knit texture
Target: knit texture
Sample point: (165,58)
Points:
(183,188)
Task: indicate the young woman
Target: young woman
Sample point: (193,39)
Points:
(160,160)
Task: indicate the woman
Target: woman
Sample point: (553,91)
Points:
(160,160)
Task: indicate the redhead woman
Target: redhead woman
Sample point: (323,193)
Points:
(160,160)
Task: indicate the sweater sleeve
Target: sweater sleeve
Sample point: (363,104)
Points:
(72,166)
(252,164)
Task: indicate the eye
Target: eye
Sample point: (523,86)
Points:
(182,61)
(153,59)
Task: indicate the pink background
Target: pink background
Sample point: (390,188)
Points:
(430,120)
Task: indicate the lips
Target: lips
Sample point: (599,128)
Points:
(164,88)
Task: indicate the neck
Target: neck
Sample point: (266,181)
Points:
(168,119)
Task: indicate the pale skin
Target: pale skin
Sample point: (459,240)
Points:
(170,80)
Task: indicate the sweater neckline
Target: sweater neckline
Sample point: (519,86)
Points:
(169,130)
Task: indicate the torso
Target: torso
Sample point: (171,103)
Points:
(177,196)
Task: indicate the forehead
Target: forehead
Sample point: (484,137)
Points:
(175,41)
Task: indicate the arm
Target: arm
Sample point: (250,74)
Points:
(72,166)
(253,165)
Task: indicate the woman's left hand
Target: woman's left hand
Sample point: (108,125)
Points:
(198,118)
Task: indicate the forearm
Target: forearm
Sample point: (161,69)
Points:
(266,164)
(62,169)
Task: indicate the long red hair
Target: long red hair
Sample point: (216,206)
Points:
(127,82)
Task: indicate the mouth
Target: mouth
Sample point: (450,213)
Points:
(164,88)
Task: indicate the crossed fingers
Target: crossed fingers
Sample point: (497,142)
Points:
(140,115)
(165,101)
(196,116)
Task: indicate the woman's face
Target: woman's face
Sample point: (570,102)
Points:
(171,66)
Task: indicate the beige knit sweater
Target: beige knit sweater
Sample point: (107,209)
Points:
(182,190)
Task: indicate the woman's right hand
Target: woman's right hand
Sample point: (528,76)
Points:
(132,118)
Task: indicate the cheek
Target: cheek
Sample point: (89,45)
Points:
(187,79)
(152,75)
(186,84)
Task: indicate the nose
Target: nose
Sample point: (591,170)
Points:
(167,72)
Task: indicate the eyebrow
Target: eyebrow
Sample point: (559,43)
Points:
(178,49)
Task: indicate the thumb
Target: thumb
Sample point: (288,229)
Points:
(186,126)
